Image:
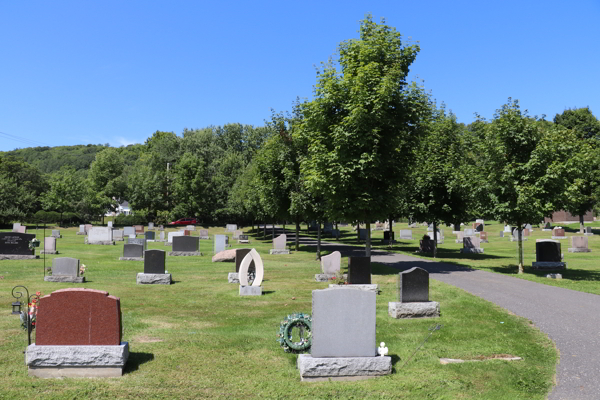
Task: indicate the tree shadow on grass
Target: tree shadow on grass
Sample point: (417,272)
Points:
(135,360)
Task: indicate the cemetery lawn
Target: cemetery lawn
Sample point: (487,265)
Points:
(199,339)
(500,254)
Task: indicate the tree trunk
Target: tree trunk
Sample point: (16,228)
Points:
(434,239)
(581,224)
(297,233)
(264,230)
(368,244)
(520,246)
(319,240)
(338,231)
(273,231)
(391,231)
(284,227)
(358,231)
(457,226)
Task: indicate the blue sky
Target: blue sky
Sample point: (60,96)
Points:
(78,72)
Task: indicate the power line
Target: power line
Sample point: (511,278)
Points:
(23,140)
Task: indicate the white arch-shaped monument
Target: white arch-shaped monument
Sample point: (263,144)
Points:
(258,265)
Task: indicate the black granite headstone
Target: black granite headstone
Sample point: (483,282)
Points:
(547,251)
(154,261)
(137,241)
(133,250)
(239,256)
(359,270)
(150,235)
(479,227)
(413,285)
(16,243)
(243,237)
(185,243)
(426,245)
(386,235)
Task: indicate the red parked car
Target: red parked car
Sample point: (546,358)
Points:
(184,221)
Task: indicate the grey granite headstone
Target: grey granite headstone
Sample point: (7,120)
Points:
(237,233)
(118,234)
(219,244)
(343,323)
(150,225)
(162,236)
(204,234)
(99,235)
(279,242)
(56,233)
(501,233)
(588,230)
(137,241)
(150,235)
(413,285)
(133,251)
(81,228)
(154,262)
(469,232)
(185,243)
(406,234)
(16,226)
(66,266)
(128,231)
(49,245)
(331,263)
(231,227)
(109,224)
(359,270)
(171,235)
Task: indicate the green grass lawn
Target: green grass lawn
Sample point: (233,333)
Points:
(500,254)
(198,338)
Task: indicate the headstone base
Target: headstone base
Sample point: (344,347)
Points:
(543,265)
(153,279)
(327,277)
(383,241)
(458,241)
(102,242)
(472,250)
(64,278)
(17,257)
(512,239)
(425,309)
(342,368)
(484,241)
(250,290)
(49,252)
(279,251)
(558,237)
(588,234)
(168,244)
(546,230)
(367,288)
(243,241)
(185,253)
(57,237)
(81,233)
(131,258)
(205,237)
(76,361)
(119,239)
(578,250)
(233,277)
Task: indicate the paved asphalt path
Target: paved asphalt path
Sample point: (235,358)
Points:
(570,318)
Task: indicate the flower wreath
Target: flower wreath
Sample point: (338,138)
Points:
(302,321)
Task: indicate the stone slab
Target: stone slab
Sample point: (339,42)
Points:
(233,277)
(250,290)
(64,278)
(77,356)
(152,279)
(101,242)
(559,237)
(314,369)
(549,265)
(131,258)
(474,250)
(426,309)
(49,252)
(185,253)
(327,277)
(366,287)
(17,257)
(279,251)
(578,250)
(76,372)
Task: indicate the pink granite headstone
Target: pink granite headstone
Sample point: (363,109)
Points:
(139,229)
(558,232)
(579,242)
(22,229)
(526,232)
(483,235)
(78,317)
